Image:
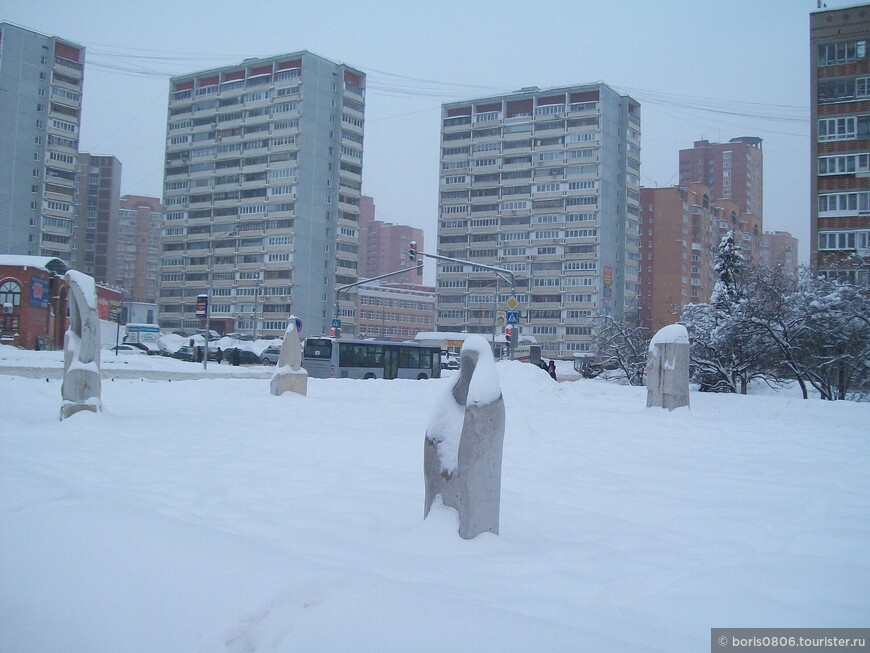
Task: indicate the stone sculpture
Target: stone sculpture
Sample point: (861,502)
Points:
(668,368)
(81,348)
(462,451)
(289,375)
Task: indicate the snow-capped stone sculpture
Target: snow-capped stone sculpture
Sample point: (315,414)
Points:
(462,450)
(668,368)
(289,375)
(81,348)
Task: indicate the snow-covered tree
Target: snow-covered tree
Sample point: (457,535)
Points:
(838,315)
(729,265)
(722,354)
(810,330)
(621,349)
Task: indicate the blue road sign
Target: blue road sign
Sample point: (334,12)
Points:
(513,317)
(336,322)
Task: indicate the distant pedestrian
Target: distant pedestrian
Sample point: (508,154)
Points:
(237,356)
(551,368)
(219,356)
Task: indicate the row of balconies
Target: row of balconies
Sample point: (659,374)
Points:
(573,110)
(235,87)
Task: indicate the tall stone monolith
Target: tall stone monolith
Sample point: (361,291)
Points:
(668,368)
(81,348)
(462,451)
(289,375)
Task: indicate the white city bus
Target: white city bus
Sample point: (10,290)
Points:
(329,358)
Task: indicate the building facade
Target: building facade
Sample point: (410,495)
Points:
(98,192)
(544,184)
(262,186)
(383,246)
(40,115)
(137,255)
(680,229)
(33,301)
(394,311)
(732,170)
(840,142)
(780,248)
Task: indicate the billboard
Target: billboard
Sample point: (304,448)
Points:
(39,292)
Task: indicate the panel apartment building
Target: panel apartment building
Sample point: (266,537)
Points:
(545,184)
(840,142)
(40,114)
(262,186)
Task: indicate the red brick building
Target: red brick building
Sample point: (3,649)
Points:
(733,171)
(33,297)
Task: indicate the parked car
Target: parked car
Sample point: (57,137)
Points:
(247,337)
(449,361)
(270,355)
(127,349)
(145,348)
(246,357)
(184,353)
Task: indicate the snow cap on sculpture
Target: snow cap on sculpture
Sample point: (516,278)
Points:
(81,348)
(462,450)
(289,376)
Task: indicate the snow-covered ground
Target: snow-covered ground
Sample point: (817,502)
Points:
(197,516)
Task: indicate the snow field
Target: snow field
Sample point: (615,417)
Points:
(211,516)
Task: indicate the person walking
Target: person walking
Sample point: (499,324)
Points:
(236,356)
(551,368)
(219,356)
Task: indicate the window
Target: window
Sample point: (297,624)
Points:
(10,292)
(837,129)
(844,203)
(844,52)
(836,240)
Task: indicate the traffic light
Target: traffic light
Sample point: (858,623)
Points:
(512,335)
(412,250)
(335,332)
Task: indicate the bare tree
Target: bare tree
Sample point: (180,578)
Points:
(621,349)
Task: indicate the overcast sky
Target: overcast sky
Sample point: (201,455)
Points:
(701,70)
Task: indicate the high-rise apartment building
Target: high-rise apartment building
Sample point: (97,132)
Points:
(40,113)
(780,248)
(140,221)
(840,142)
(383,247)
(545,184)
(262,191)
(732,170)
(680,230)
(98,194)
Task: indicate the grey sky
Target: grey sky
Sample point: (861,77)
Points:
(701,69)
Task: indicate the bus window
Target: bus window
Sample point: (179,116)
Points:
(318,348)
